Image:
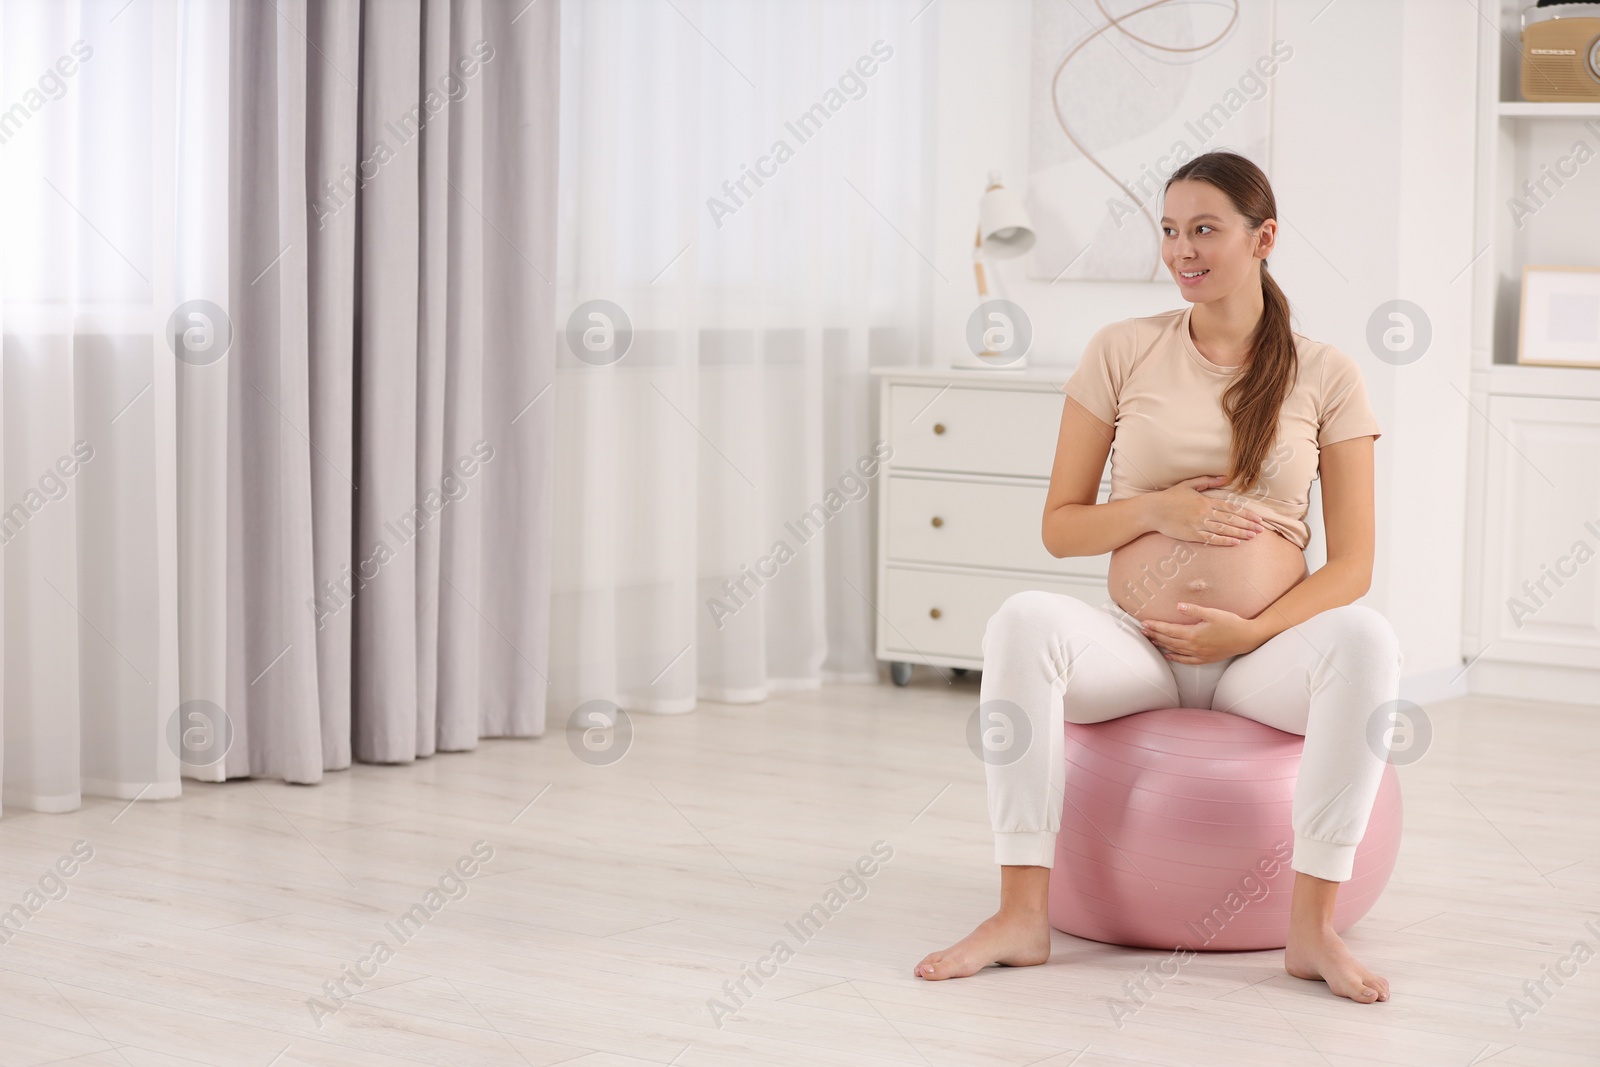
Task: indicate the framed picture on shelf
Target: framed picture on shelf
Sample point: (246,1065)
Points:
(1560,324)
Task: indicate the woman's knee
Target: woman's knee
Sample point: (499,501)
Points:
(1361,632)
(1028,617)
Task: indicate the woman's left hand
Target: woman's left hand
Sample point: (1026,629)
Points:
(1215,635)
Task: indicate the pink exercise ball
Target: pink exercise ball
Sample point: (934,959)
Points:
(1176,832)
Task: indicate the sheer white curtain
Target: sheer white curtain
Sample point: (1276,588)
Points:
(748,183)
(115,212)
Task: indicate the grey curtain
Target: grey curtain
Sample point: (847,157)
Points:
(382,587)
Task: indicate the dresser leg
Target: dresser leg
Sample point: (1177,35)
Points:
(900,673)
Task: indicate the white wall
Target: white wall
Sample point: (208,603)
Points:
(1372,164)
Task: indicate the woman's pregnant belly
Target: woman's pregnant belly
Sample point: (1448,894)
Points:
(1152,574)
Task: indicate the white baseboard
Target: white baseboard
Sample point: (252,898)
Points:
(1535,681)
(1431,687)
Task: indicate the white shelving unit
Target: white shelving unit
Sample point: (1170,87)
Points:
(1532,625)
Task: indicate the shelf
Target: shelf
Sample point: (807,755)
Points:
(1574,383)
(1520,109)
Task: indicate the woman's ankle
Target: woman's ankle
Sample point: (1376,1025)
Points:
(1024,915)
(1024,885)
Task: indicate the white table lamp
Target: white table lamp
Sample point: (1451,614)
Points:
(1004,232)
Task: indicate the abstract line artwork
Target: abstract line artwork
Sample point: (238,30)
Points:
(1122,95)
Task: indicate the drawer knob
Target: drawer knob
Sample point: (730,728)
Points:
(933,613)
(937,521)
(938,427)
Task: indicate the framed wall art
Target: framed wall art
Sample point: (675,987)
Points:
(1560,321)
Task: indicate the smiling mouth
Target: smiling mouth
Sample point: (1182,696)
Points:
(1191,275)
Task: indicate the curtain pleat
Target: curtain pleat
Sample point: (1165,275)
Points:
(271,665)
(388,468)
(333,35)
(503,552)
(440,42)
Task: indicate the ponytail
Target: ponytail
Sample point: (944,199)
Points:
(1254,398)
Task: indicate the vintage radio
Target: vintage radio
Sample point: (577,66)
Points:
(1561,52)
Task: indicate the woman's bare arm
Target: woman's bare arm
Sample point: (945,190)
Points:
(1074,525)
(1347,516)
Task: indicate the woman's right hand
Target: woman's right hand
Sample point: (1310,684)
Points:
(1183,512)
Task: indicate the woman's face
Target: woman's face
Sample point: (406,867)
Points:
(1202,234)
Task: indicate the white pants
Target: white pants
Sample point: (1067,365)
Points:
(1057,657)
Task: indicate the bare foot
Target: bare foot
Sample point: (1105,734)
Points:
(1011,939)
(1321,955)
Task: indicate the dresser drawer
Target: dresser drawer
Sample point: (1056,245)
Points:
(976,524)
(935,613)
(982,431)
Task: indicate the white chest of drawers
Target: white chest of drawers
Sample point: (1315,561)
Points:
(960,509)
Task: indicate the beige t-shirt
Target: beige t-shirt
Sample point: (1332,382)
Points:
(1146,377)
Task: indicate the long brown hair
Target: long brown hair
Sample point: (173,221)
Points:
(1252,401)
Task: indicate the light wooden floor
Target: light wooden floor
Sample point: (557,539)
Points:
(617,904)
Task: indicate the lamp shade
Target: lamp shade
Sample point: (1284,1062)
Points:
(1003,225)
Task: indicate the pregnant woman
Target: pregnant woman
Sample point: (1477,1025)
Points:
(1217,417)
